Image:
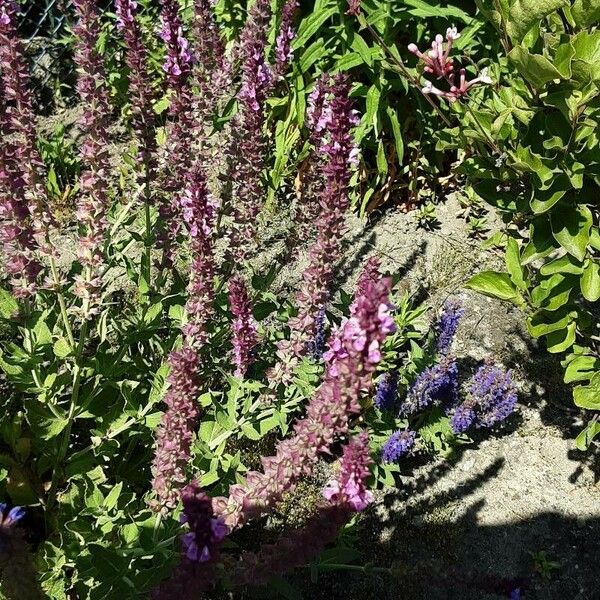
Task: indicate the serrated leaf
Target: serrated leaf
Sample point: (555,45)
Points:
(8,305)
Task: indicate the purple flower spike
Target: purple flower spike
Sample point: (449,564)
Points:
(387,391)
(494,393)
(491,398)
(446,326)
(176,430)
(244,327)
(350,487)
(283,44)
(435,385)
(463,418)
(336,149)
(398,445)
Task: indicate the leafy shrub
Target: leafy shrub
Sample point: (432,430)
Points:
(529,148)
(141,363)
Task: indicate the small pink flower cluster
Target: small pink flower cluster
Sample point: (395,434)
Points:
(351,487)
(438,63)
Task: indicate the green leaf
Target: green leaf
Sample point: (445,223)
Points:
(543,323)
(527,161)
(586,437)
(554,292)
(43,423)
(588,396)
(559,341)
(42,333)
(524,14)
(113,496)
(61,348)
(590,281)
(571,228)
(544,200)
(586,12)
(311,25)
(494,284)
(586,61)
(564,264)
(513,264)
(581,368)
(312,54)
(535,68)
(8,305)
(398,140)
(382,166)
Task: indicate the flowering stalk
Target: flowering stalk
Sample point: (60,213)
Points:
(16,233)
(350,488)
(447,325)
(178,159)
(249,138)
(492,398)
(93,201)
(437,62)
(398,444)
(198,210)
(176,430)
(435,385)
(17,572)
(142,98)
(199,548)
(212,70)
(244,328)
(339,152)
(353,353)
(387,391)
(286,35)
(20,118)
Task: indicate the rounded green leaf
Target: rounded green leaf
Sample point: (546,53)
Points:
(494,284)
(590,281)
(571,228)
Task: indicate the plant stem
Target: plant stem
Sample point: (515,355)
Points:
(62,304)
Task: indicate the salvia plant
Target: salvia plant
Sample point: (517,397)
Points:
(163,396)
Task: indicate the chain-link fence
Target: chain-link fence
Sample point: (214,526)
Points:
(44,27)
